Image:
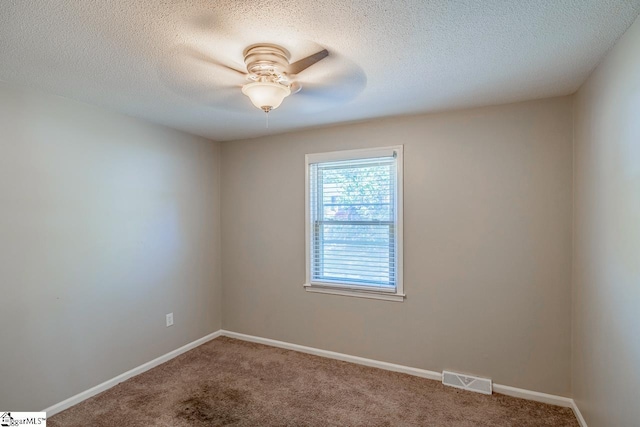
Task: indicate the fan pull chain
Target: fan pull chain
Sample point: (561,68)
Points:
(267,124)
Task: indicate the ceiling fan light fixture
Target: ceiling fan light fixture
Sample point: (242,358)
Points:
(266,95)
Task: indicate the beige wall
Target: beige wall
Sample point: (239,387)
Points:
(606,289)
(488,207)
(106,224)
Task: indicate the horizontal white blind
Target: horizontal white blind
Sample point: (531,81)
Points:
(353,222)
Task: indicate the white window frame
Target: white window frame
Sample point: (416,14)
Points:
(345,288)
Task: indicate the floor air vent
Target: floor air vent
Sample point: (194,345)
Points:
(467,382)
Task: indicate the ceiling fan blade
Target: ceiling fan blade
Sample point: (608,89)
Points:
(200,56)
(330,93)
(195,76)
(229,99)
(301,65)
(336,83)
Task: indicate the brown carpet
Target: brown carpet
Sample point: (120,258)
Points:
(229,382)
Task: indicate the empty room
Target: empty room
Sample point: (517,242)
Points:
(296,213)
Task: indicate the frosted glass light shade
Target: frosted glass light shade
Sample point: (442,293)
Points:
(266,95)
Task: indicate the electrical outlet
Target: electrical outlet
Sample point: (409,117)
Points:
(169,319)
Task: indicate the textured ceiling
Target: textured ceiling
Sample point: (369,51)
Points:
(387,57)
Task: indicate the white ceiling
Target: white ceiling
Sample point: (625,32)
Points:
(395,56)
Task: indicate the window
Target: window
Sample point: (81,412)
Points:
(354,223)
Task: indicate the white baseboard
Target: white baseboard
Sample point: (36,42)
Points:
(521,393)
(338,356)
(423,373)
(73,400)
(498,388)
(579,416)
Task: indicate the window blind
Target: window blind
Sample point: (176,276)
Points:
(353,214)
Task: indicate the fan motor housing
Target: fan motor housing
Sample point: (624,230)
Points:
(266,60)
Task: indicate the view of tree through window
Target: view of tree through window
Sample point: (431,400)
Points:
(354,222)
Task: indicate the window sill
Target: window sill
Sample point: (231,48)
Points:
(354,293)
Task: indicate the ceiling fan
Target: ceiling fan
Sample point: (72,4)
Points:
(271,77)
(320,80)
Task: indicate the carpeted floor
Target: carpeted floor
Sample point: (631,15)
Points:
(227,382)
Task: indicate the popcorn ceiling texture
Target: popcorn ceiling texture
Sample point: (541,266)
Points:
(391,57)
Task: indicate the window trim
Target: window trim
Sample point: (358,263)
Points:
(346,289)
